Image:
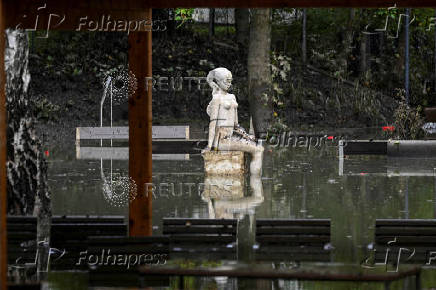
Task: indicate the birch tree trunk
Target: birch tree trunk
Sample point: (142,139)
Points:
(26,166)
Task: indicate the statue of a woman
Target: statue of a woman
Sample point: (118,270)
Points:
(225,134)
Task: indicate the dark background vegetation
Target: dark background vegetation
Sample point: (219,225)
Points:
(348,79)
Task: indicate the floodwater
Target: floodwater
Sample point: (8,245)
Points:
(296,184)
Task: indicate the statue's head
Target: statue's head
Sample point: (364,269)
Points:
(221,77)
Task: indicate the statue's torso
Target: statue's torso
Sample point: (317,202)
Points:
(223,109)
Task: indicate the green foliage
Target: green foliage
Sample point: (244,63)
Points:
(183,15)
(46,110)
(408,121)
(75,53)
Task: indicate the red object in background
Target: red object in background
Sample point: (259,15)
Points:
(388,128)
(330,137)
(46,153)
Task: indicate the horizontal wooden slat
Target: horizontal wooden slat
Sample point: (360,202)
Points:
(202,239)
(22,227)
(21,219)
(355,147)
(21,237)
(178,146)
(406,240)
(190,221)
(170,230)
(294,230)
(158,132)
(266,248)
(293,239)
(119,153)
(24,286)
(87,219)
(405,222)
(123,240)
(406,231)
(292,222)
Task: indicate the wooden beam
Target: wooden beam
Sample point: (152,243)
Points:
(74,10)
(3,187)
(24,12)
(140,133)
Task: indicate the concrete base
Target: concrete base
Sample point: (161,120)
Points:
(223,162)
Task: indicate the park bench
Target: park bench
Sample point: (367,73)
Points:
(21,239)
(393,148)
(417,237)
(169,143)
(208,239)
(292,240)
(24,286)
(112,271)
(71,233)
(122,133)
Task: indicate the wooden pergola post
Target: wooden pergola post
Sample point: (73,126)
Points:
(3,192)
(140,134)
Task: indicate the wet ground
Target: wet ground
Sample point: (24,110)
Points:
(297,183)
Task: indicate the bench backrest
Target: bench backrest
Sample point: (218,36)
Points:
(207,238)
(71,233)
(158,132)
(415,236)
(293,239)
(21,239)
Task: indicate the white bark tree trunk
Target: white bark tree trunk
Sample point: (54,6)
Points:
(26,166)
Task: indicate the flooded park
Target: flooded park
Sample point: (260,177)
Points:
(217,148)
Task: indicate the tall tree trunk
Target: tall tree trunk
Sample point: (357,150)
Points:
(364,38)
(211,22)
(345,54)
(303,38)
(434,55)
(401,52)
(406,54)
(259,71)
(26,166)
(242,26)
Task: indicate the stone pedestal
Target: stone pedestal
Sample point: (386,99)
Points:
(223,162)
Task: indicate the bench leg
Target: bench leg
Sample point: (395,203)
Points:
(387,285)
(418,281)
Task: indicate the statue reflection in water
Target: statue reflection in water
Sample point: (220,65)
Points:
(225,196)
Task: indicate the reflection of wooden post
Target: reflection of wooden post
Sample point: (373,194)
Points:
(3,193)
(140,211)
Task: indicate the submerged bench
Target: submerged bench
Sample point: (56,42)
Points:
(292,240)
(22,245)
(210,239)
(416,237)
(169,143)
(71,233)
(120,133)
(395,148)
(119,258)
(119,153)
